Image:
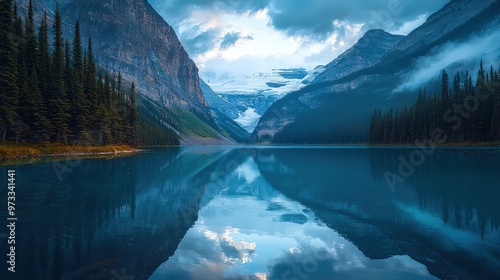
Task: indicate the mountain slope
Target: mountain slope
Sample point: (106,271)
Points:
(131,38)
(233,129)
(438,25)
(245,98)
(365,53)
(339,110)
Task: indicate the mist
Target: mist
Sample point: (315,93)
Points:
(429,67)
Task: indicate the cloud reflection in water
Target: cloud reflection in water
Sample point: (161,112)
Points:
(264,235)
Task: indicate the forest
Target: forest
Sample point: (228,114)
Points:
(53,91)
(463,112)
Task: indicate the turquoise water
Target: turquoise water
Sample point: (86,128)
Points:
(259,213)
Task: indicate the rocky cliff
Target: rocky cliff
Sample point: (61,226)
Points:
(338,103)
(365,53)
(440,24)
(131,38)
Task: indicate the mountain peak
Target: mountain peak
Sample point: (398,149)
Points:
(378,38)
(365,53)
(376,32)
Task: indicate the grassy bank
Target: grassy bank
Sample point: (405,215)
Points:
(12,150)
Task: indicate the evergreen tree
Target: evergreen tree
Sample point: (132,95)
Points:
(90,83)
(445,95)
(479,124)
(9,89)
(50,96)
(68,72)
(20,44)
(80,104)
(59,105)
(44,61)
(483,116)
(133,118)
(31,52)
(33,111)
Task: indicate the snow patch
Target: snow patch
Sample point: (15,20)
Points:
(248,119)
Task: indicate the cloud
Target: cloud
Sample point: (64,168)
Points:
(310,263)
(231,38)
(198,41)
(284,33)
(410,25)
(316,19)
(427,68)
(313,19)
(177,10)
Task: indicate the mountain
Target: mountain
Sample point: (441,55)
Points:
(245,98)
(365,53)
(130,37)
(336,106)
(451,19)
(234,130)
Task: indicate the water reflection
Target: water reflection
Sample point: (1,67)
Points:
(420,219)
(260,213)
(248,230)
(108,217)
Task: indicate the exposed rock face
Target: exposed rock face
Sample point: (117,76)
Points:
(365,53)
(221,117)
(364,76)
(131,38)
(438,25)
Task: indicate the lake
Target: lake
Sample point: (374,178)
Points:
(290,213)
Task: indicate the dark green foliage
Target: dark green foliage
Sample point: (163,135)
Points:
(56,95)
(464,113)
(155,124)
(58,104)
(32,110)
(9,90)
(44,64)
(133,118)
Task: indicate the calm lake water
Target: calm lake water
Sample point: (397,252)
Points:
(290,213)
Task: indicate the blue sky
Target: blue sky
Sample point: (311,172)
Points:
(231,37)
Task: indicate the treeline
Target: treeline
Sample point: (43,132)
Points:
(460,112)
(56,93)
(154,125)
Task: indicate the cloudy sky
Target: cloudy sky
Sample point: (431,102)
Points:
(231,37)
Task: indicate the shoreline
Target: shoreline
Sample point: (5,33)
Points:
(9,151)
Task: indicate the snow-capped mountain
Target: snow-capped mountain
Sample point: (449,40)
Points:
(366,76)
(245,98)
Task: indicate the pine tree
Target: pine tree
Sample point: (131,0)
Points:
(31,52)
(68,72)
(20,44)
(58,104)
(445,95)
(90,83)
(44,61)
(80,104)
(102,120)
(480,125)
(456,88)
(9,89)
(483,114)
(33,111)
(133,118)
